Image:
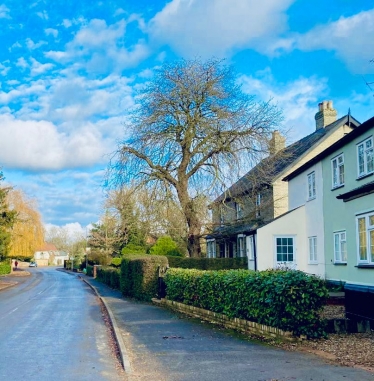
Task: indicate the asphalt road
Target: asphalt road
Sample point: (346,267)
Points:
(52,329)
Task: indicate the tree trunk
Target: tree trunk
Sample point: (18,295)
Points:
(193,222)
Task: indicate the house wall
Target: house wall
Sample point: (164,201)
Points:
(314,215)
(340,216)
(292,223)
(281,191)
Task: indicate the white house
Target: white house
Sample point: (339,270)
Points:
(49,255)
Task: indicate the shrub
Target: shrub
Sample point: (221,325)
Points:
(109,276)
(139,275)
(89,270)
(116,262)
(5,268)
(166,246)
(209,263)
(289,300)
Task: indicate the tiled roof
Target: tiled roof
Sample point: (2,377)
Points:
(280,161)
(47,247)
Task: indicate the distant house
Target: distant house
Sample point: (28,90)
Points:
(261,196)
(49,255)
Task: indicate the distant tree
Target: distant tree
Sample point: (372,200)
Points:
(27,233)
(190,135)
(7,220)
(60,237)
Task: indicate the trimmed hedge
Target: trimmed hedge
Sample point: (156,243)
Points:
(209,263)
(289,300)
(5,268)
(110,276)
(139,275)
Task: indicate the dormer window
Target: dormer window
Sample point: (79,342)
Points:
(258,203)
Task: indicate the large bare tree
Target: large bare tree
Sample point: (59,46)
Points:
(189,134)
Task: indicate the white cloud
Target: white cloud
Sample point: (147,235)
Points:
(39,68)
(298,99)
(119,11)
(67,23)
(38,145)
(51,31)
(22,63)
(43,15)
(4,69)
(206,28)
(351,38)
(99,47)
(32,45)
(4,12)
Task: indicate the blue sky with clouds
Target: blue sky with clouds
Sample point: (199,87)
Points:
(68,71)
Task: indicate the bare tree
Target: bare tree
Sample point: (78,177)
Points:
(189,135)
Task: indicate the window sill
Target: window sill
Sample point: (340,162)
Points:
(311,199)
(340,263)
(365,266)
(364,176)
(337,187)
(312,263)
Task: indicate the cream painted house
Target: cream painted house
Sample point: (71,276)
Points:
(261,196)
(49,255)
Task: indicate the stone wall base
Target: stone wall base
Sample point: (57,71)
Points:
(242,325)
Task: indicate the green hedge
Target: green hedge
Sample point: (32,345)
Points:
(208,263)
(139,275)
(289,300)
(89,270)
(110,276)
(5,268)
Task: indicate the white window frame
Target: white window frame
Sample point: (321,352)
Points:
(342,239)
(250,247)
(368,218)
(365,153)
(337,173)
(221,216)
(311,185)
(312,245)
(211,248)
(241,245)
(293,249)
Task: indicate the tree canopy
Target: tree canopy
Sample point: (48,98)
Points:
(191,134)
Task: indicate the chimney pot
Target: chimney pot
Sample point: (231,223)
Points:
(326,114)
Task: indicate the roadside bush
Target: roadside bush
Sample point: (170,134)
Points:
(289,300)
(5,268)
(89,270)
(166,246)
(139,275)
(209,263)
(109,276)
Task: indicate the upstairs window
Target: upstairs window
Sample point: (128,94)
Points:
(365,227)
(311,185)
(340,247)
(221,216)
(312,249)
(258,203)
(365,157)
(337,165)
(238,209)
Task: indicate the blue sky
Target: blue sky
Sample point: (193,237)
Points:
(68,71)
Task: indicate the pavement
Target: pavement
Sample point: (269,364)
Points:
(158,344)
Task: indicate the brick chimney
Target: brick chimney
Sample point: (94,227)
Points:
(276,143)
(326,114)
